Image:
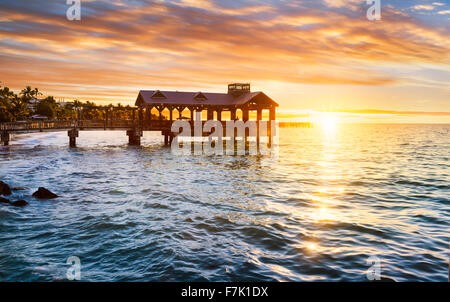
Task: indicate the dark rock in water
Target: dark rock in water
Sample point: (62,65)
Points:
(19,203)
(43,193)
(18,189)
(4,200)
(4,188)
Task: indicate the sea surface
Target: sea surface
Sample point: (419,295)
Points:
(337,201)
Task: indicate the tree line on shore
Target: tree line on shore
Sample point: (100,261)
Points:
(26,104)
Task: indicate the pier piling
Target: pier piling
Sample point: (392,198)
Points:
(5,136)
(73,134)
(134,137)
(166,139)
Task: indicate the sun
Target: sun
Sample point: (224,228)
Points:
(326,120)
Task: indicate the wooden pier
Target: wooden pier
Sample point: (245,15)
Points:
(238,99)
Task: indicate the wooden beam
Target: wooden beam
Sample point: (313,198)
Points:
(245,115)
(272,117)
(210,114)
(258,135)
(272,114)
(259,114)
(233,114)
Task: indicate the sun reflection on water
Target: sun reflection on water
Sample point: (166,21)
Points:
(312,246)
(323,214)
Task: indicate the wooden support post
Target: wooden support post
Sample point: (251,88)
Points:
(259,114)
(73,134)
(245,118)
(141,116)
(258,119)
(272,114)
(134,137)
(210,114)
(166,139)
(233,114)
(106,117)
(193,113)
(269,128)
(5,138)
(245,115)
(137,140)
(233,118)
(171,114)
(219,115)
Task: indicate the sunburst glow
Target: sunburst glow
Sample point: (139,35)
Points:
(328,121)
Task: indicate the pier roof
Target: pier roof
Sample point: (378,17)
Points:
(156,97)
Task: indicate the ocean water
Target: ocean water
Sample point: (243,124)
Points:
(335,197)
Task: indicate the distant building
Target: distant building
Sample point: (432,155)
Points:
(63,103)
(38,117)
(32,103)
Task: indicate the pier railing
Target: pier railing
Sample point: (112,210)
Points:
(99,124)
(39,125)
(83,125)
(32,126)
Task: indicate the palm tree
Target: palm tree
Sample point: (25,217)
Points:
(19,108)
(5,105)
(77,105)
(27,93)
(6,93)
(35,92)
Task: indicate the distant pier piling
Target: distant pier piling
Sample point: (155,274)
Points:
(73,134)
(5,138)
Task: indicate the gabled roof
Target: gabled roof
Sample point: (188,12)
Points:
(198,98)
(158,95)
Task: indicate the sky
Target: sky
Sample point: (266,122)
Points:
(307,54)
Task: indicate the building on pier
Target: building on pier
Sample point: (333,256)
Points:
(238,99)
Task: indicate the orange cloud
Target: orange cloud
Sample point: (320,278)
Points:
(113,53)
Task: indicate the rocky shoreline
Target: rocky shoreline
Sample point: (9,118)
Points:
(6,190)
